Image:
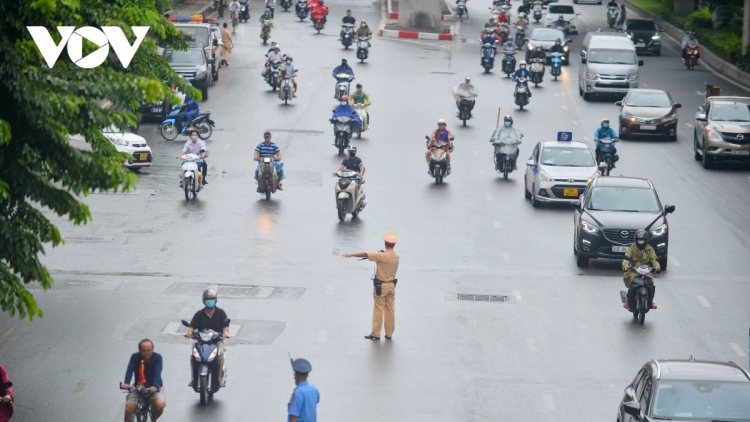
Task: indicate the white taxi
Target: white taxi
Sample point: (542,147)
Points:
(132,144)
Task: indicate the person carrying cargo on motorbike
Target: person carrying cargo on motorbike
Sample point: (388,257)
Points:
(506,139)
(604,131)
(639,253)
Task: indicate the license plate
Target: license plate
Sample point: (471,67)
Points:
(739,152)
(640,44)
(622,249)
(570,192)
(648,127)
(156,110)
(143,157)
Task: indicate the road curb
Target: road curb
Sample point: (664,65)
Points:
(391,33)
(394,15)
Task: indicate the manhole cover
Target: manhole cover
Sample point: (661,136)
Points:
(482,298)
(139,231)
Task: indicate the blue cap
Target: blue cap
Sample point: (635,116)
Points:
(301,366)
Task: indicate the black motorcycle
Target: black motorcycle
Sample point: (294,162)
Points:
(363,48)
(244,12)
(347,35)
(273,74)
(300,9)
(464,110)
(488,57)
(509,64)
(205,362)
(640,295)
(286,4)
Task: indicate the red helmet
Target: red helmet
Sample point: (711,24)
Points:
(344,98)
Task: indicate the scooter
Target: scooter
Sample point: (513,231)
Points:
(562,25)
(509,63)
(488,56)
(607,155)
(640,295)
(348,36)
(319,24)
(504,158)
(364,116)
(244,12)
(438,160)
(504,33)
(205,363)
(692,56)
(286,92)
(537,11)
(537,71)
(265,33)
(612,14)
(461,9)
(556,64)
(363,48)
(286,4)
(192,178)
(343,82)
(520,35)
(464,110)
(272,77)
(202,123)
(301,10)
(342,125)
(348,200)
(268,178)
(521,92)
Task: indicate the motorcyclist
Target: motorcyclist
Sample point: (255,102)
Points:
(489,37)
(361,97)
(522,72)
(344,109)
(504,16)
(612,3)
(689,38)
(353,163)
(198,147)
(465,91)
(522,21)
(290,70)
(524,7)
(561,23)
(639,253)
(364,31)
(342,68)
(347,19)
(491,24)
(190,109)
(558,47)
(604,131)
(441,134)
(538,53)
(266,18)
(509,47)
(269,149)
(273,44)
(244,14)
(211,317)
(319,12)
(506,139)
(274,56)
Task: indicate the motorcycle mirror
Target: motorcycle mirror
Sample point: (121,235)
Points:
(618,103)
(185,323)
(633,409)
(669,209)
(227,321)
(678,105)
(530,162)
(568,40)
(575,204)
(427,137)
(602,165)
(640,62)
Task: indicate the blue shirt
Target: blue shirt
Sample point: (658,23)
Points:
(152,370)
(304,402)
(343,68)
(269,150)
(601,132)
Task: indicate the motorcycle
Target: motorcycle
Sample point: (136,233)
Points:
(438,160)
(692,56)
(286,4)
(488,56)
(461,9)
(504,33)
(607,156)
(556,64)
(537,11)
(343,82)
(192,178)
(464,110)
(509,63)
(348,35)
(640,294)
(520,35)
(319,24)
(342,124)
(205,363)
(301,10)
(505,158)
(244,12)
(364,116)
(268,178)
(202,123)
(286,92)
(272,78)
(363,48)
(521,92)
(537,71)
(265,33)
(348,200)
(612,14)
(562,25)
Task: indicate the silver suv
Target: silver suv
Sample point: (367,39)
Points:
(722,130)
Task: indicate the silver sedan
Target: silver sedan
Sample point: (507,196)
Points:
(558,172)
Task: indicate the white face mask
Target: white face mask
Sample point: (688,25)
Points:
(343,103)
(194,138)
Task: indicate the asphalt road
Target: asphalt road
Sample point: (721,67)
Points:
(562,348)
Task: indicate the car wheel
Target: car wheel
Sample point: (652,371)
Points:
(672,138)
(696,155)
(526,193)
(582,261)
(586,96)
(534,202)
(708,162)
(580,91)
(663,263)
(204,92)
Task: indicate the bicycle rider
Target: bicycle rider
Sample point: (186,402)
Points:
(145,365)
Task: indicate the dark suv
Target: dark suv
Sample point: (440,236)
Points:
(609,213)
(722,130)
(645,35)
(687,390)
(192,65)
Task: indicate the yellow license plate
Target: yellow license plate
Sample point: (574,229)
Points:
(144,157)
(570,192)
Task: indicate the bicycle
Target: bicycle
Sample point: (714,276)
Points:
(235,21)
(142,411)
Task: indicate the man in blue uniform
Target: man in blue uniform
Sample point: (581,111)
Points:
(304,402)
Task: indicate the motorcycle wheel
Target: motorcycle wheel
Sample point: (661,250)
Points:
(340,204)
(506,167)
(609,165)
(359,133)
(301,18)
(186,186)
(265,39)
(642,303)
(194,188)
(273,88)
(205,130)
(169,131)
(486,69)
(203,388)
(268,188)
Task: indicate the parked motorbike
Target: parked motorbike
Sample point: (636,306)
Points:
(244,12)
(343,82)
(348,200)
(556,65)
(301,10)
(202,123)
(205,363)
(521,92)
(461,9)
(268,178)
(640,295)
(537,11)
(364,116)
(342,125)
(192,177)
(348,36)
(464,110)
(692,56)
(265,33)
(286,92)
(612,14)
(607,156)
(272,77)
(286,4)
(319,24)
(438,160)
(488,56)
(363,48)
(509,63)
(537,71)
(520,35)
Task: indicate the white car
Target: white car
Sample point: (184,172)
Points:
(558,171)
(567,11)
(132,144)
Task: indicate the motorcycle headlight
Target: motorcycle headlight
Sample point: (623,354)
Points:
(656,37)
(714,135)
(669,118)
(590,76)
(530,47)
(633,77)
(659,231)
(544,177)
(588,227)
(213,355)
(196,355)
(565,48)
(629,35)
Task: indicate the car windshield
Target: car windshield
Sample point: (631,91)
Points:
(560,10)
(620,198)
(567,157)
(196,34)
(190,57)
(702,400)
(730,112)
(648,99)
(546,35)
(640,26)
(612,56)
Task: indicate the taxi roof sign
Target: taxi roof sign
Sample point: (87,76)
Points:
(564,136)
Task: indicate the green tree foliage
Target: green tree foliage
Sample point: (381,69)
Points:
(700,19)
(41,107)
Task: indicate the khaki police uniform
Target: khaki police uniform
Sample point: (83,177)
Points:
(634,257)
(385,304)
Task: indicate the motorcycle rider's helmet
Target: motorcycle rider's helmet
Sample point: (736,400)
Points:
(508,118)
(363,23)
(641,239)
(209,294)
(359,86)
(441,122)
(352,150)
(605,121)
(522,64)
(558,41)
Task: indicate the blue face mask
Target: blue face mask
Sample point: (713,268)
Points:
(210,303)
(507,124)
(605,125)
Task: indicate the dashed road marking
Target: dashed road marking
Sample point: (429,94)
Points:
(144,283)
(531,344)
(575,122)
(675,262)
(738,350)
(703,301)
(329,289)
(115,331)
(644,85)
(226,146)
(322,336)
(166,246)
(496,224)
(5,335)
(517,294)
(489,197)
(79,388)
(700,93)
(564,108)
(549,402)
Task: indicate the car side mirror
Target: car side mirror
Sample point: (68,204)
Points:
(211,61)
(602,165)
(678,105)
(700,116)
(185,323)
(633,409)
(640,62)
(669,209)
(575,204)
(583,60)
(618,103)
(530,162)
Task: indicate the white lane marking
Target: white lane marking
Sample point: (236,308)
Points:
(5,335)
(505,256)
(79,388)
(564,108)
(556,94)
(575,122)
(675,262)
(322,336)
(738,350)
(226,146)
(143,284)
(476,152)
(329,289)
(645,86)
(549,402)
(700,93)
(489,197)
(703,301)
(115,331)
(531,344)
(496,224)
(689,124)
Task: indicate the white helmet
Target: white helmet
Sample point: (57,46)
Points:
(441,122)
(523,63)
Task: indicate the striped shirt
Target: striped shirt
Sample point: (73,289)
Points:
(269,150)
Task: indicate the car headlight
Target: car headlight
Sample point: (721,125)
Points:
(590,76)
(200,74)
(117,141)
(669,118)
(629,35)
(627,116)
(714,135)
(196,355)
(565,48)
(544,177)
(588,227)
(632,77)
(213,354)
(530,47)
(661,230)
(656,37)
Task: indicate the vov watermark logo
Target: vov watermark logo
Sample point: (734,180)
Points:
(73,38)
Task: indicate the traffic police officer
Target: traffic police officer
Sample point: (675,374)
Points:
(384,292)
(302,406)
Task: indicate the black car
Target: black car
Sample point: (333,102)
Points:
(158,111)
(193,65)
(687,390)
(609,213)
(645,35)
